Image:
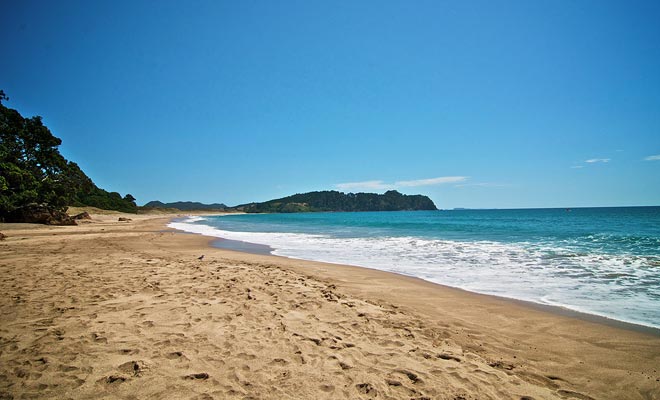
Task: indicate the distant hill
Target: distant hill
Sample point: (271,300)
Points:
(186,205)
(338,201)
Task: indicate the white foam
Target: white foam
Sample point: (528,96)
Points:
(195,218)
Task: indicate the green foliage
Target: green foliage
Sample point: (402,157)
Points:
(106,200)
(186,206)
(32,170)
(337,201)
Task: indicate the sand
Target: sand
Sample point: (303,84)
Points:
(126,310)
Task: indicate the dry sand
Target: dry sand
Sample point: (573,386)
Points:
(126,310)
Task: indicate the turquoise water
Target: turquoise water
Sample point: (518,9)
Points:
(604,261)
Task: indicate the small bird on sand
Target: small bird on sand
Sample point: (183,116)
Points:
(201,257)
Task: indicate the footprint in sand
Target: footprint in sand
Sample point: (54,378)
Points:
(132,367)
(327,388)
(67,368)
(344,366)
(366,388)
(450,357)
(113,380)
(98,338)
(411,375)
(176,355)
(198,376)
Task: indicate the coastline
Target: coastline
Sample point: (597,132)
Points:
(258,249)
(97,300)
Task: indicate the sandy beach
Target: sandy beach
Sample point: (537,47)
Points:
(111,309)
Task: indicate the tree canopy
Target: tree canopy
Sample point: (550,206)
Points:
(32,170)
(186,206)
(337,201)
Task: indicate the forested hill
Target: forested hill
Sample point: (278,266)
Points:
(186,205)
(35,176)
(338,201)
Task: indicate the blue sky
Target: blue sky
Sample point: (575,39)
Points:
(474,103)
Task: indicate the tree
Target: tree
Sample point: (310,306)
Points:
(32,170)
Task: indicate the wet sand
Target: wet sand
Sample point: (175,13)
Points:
(127,310)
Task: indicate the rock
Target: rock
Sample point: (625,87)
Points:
(123,219)
(2,236)
(82,215)
(40,214)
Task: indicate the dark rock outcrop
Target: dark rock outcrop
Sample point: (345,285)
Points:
(40,214)
(2,236)
(332,200)
(82,215)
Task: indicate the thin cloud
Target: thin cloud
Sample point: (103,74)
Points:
(577,166)
(382,185)
(597,160)
(431,181)
(652,158)
(366,185)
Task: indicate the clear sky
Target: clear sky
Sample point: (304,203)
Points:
(474,103)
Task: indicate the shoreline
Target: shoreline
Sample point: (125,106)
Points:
(100,309)
(258,249)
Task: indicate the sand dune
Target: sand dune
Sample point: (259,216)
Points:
(126,310)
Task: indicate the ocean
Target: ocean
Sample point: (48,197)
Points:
(602,261)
